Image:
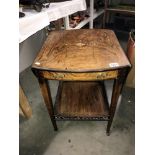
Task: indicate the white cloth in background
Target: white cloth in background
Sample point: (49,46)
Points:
(63,9)
(34,21)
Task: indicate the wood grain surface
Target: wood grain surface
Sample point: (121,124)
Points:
(91,76)
(80,51)
(83,99)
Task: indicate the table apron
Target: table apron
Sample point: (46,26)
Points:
(87,76)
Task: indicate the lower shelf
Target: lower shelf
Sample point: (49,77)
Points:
(81,101)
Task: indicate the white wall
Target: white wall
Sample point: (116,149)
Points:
(29,48)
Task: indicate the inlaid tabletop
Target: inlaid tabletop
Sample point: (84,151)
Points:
(81,51)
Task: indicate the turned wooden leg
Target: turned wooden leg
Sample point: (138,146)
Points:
(45,90)
(117,88)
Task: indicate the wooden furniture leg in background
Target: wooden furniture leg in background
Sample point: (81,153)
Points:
(130,82)
(105,13)
(45,90)
(24,104)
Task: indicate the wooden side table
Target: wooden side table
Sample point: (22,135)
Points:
(81,60)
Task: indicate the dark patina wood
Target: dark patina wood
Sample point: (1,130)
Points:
(81,60)
(117,89)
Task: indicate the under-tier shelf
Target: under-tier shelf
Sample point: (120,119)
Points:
(81,101)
